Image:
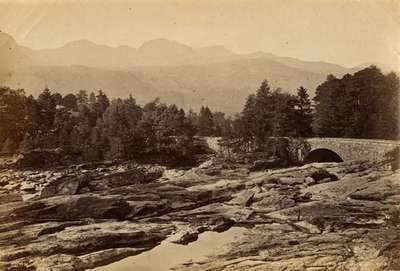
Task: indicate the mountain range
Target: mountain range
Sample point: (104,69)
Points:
(189,77)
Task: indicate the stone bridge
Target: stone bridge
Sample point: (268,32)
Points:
(345,149)
(310,150)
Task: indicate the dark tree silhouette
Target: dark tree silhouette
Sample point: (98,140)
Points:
(363,105)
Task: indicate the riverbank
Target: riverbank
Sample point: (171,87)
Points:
(326,216)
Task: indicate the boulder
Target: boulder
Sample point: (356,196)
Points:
(74,207)
(303,197)
(290,181)
(65,185)
(27,187)
(212,171)
(206,164)
(220,224)
(309,181)
(322,174)
(185,238)
(147,208)
(85,246)
(243,198)
(45,158)
(265,164)
(59,262)
(372,194)
(274,202)
(108,256)
(153,172)
(126,177)
(307,227)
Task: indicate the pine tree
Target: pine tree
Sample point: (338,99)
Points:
(14,121)
(57,98)
(92,100)
(47,109)
(102,102)
(303,117)
(263,112)
(82,97)
(247,126)
(329,119)
(205,122)
(70,101)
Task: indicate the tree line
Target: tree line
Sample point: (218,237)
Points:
(362,105)
(274,114)
(93,125)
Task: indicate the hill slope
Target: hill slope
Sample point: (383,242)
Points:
(161,68)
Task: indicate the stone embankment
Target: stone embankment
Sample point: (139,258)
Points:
(326,216)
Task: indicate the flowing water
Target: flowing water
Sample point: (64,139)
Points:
(167,254)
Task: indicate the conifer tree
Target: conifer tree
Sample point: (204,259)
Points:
(303,117)
(205,122)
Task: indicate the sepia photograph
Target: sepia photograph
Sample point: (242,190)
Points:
(200,135)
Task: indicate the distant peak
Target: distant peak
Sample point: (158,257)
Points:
(263,54)
(159,41)
(81,43)
(219,48)
(125,47)
(163,43)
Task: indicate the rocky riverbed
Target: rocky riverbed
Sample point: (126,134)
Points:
(325,216)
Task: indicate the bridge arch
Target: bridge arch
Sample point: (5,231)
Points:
(322,155)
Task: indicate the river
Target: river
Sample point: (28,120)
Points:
(167,254)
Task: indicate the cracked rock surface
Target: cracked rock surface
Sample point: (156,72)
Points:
(326,216)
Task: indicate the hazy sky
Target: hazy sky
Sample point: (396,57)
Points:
(346,32)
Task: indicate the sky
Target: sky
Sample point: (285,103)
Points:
(346,32)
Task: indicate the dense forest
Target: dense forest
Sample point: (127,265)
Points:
(92,125)
(363,105)
(99,129)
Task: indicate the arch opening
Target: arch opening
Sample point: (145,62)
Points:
(322,156)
